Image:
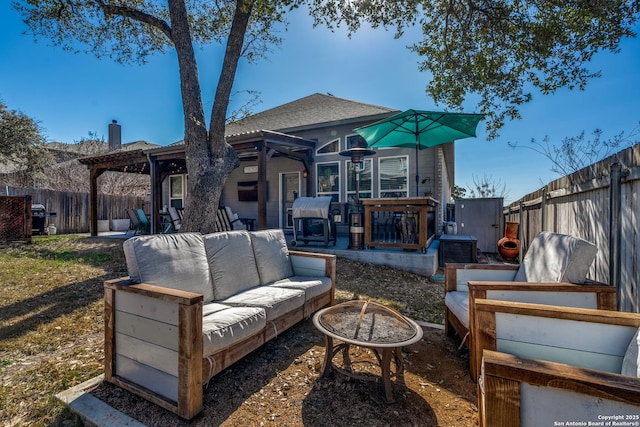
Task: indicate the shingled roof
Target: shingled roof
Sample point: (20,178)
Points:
(309,112)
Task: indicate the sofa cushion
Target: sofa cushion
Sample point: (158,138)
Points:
(458,303)
(275,301)
(631,360)
(272,255)
(177,261)
(231,262)
(223,325)
(553,257)
(312,286)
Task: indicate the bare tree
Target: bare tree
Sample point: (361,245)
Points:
(487,186)
(576,152)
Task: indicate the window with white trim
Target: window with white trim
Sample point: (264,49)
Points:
(330,147)
(366,178)
(393,172)
(177,190)
(328,180)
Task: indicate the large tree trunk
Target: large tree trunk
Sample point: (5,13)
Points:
(210,160)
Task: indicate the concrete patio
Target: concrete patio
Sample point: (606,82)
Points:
(425,264)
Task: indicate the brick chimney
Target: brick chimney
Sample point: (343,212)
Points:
(115,136)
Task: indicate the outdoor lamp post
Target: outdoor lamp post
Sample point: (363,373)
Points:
(358,150)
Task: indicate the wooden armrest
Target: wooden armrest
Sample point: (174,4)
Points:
(451,272)
(124,284)
(476,266)
(605,295)
(539,286)
(329,266)
(596,383)
(557,312)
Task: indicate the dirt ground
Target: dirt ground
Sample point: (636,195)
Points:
(280,385)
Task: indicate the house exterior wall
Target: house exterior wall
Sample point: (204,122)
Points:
(249,209)
(432,178)
(426,160)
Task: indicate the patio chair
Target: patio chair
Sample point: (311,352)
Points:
(553,271)
(544,364)
(226,220)
(143,225)
(134,222)
(175,218)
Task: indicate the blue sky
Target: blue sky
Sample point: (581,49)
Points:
(74,94)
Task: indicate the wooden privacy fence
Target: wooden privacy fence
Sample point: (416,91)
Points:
(72,209)
(580,205)
(15,219)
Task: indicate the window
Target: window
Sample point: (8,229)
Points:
(330,147)
(177,190)
(328,180)
(393,176)
(365,180)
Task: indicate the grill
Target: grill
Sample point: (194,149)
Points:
(312,222)
(39,217)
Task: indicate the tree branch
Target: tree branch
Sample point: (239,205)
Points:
(137,15)
(229,67)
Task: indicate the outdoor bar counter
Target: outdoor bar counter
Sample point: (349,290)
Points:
(407,223)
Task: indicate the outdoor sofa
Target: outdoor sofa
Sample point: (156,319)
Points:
(548,365)
(194,304)
(553,271)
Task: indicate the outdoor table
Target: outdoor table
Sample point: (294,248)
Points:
(370,325)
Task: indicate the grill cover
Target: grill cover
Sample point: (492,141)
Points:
(311,207)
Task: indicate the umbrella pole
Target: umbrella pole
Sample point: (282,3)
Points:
(417,176)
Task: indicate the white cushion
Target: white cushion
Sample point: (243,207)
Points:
(176,261)
(554,257)
(231,261)
(630,363)
(312,286)
(272,255)
(275,301)
(223,326)
(458,303)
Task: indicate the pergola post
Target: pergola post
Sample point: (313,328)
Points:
(262,186)
(93,200)
(155,200)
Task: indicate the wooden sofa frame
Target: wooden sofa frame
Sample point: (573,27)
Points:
(169,336)
(499,390)
(452,324)
(490,288)
(504,374)
(603,297)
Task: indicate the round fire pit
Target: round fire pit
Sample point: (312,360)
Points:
(371,325)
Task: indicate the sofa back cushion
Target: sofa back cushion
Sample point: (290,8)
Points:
(554,257)
(231,262)
(272,255)
(176,261)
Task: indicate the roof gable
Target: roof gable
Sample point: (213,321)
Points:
(308,112)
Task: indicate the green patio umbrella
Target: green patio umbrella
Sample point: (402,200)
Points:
(419,129)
